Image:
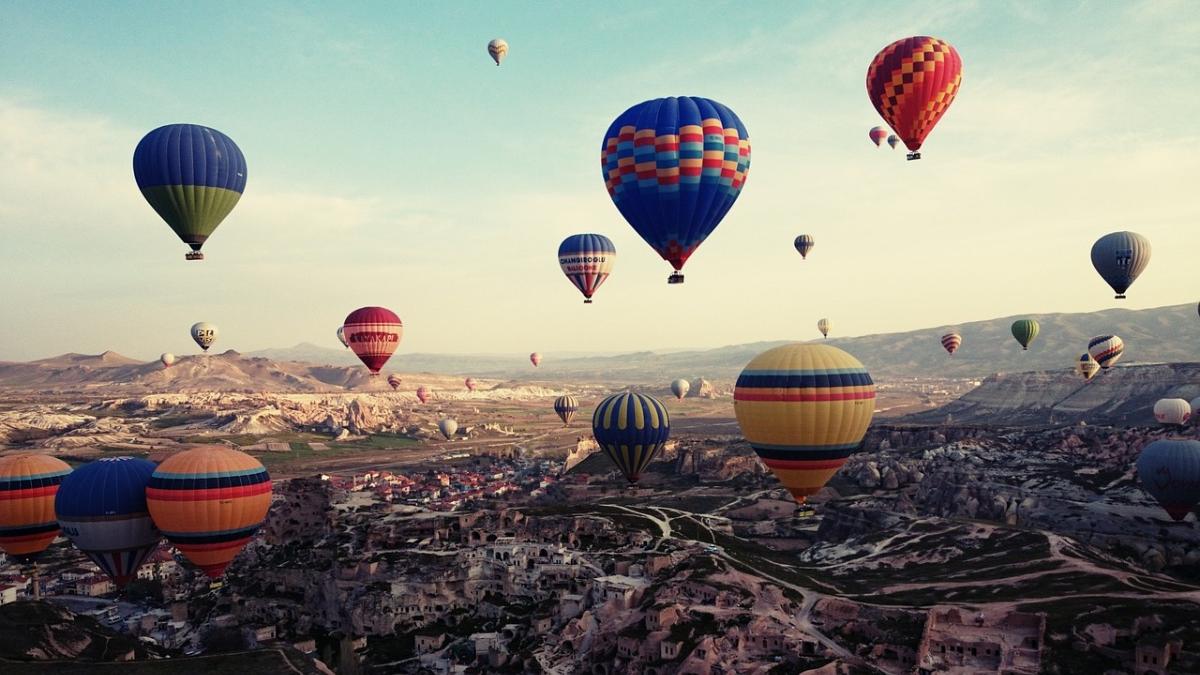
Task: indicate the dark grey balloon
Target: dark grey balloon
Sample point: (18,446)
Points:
(1120,257)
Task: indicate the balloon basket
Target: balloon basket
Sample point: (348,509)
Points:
(1119,296)
(194,255)
(587,301)
(675,278)
(914,155)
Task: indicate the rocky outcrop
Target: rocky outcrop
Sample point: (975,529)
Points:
(38,631)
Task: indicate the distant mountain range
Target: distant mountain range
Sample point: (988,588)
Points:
(1159,335)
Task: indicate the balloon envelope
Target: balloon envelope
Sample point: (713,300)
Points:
(1106,350)
(674,167)
(394,381)
(1087,366)
(1172,411)
(631,429)
(102,509)
(877,134)
(167,359)
(1025,331)
(893,141)
(498,49)
(680,388)
(824,325)
(805,243)
(448,427)
(423,394)
(341,336)
(587,260)
(1120,257)
(804,408)
(1169,470)
(374,333)
(912,83)
(951,342)
(205,334)
(192,176)
(535,358)
(209,502)
(28,485)
(566,406)
(470,382)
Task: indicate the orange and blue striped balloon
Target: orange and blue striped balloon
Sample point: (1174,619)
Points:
(631,429)
(208,502)
(804,408)
(28,484)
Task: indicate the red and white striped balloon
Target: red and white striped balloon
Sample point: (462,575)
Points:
(951,342)
(373,334)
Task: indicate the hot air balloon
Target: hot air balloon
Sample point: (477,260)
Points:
(893,141)
(951,342)
(373,334)
(1172,411)
(535,358)
(205,334)
(208,502)
(28,484)
(102,509)
(448,427)
(167,359)
(805,243)
(1120,257)
(470,382)
(631,429)
(877,134)
(498,48)
(566,406)
(341,335)
(674,167)
(824,325)
(804,408)
(192,176)
(394,380)
(1025,331)
(1087,367)
(587,260)
(1169,470)
(912,83)
(1106,349)
(680,388)
(422,394)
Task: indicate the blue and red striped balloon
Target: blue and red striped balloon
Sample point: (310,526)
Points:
(587,260)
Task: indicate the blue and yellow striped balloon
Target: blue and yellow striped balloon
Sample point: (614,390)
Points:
(804,408)
(565,406)
(631,429)
(28,484)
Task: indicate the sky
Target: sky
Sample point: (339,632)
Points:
(391,163)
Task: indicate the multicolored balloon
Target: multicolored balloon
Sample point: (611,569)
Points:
(423,394)
(205,334)
(912,83)
(893,140)
(208,502)
(566,406)
(1025,331)
(341,336)
(1106,349)
(192,176)
(674,167)
(167,359)
(28,485)
(448,427)
(101,508)
(631,429)
(1169,470)
(824,325)
(470,383)
(951,342)
(535,358)
(394,381)
(498,49)
(805,243)
(804,408)
(680,388)
(373,333)
(877,134)
(1172,411)
(1087,367)
(587,260)
(1120,257)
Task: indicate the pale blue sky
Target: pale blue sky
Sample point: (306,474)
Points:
(391,163)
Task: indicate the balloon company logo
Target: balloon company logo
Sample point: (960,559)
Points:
(1163,480)
(204,333)
(577,260)
(374,336)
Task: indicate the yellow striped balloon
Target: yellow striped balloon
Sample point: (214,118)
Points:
(631,429)
(804,408)
(28,485)
(208,502)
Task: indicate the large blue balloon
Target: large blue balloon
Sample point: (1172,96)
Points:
(631,429)
(1169,470)
(674,167)
(101,508)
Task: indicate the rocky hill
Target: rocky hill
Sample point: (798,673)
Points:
(1122,395)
